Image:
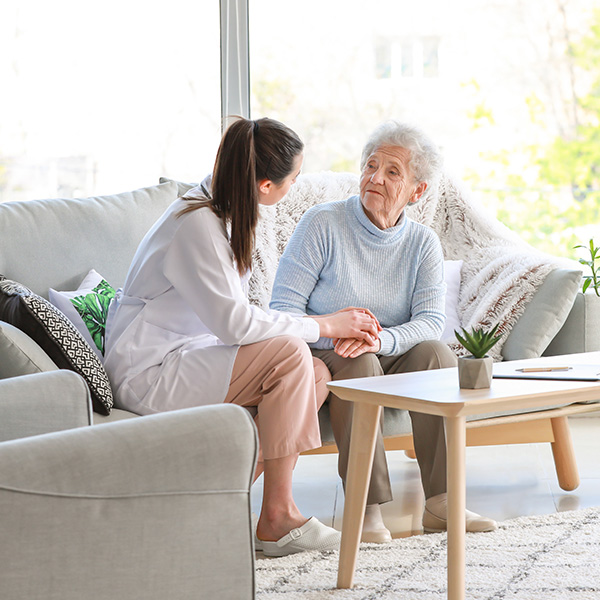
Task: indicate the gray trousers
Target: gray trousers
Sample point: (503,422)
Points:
(428,430)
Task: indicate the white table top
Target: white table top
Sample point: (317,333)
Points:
(437,392)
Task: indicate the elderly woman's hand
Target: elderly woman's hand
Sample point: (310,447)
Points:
(352,347)
(351,322)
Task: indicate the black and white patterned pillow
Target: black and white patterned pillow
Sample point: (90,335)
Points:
(57,336)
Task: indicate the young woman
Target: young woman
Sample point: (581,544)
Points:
(182,333)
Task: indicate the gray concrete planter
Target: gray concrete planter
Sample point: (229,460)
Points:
(475,373)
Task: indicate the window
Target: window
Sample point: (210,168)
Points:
(511,101)
(99,98)
(105,97)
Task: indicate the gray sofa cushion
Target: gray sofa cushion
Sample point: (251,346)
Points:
(544,315)
(182,186)
(20,355)
(54,243)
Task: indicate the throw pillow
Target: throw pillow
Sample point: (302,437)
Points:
(87,308)
(452,278)
(57,336)
(20,355)
(182,187)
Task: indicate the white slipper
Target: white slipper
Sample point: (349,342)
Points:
(313,535)
(435,514)
(374,530)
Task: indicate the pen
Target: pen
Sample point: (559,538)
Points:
(542,369)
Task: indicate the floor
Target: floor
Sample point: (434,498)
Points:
(503,482)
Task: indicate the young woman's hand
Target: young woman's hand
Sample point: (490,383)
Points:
(351,322)
(352,347)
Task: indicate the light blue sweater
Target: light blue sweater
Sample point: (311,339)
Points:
(337,257)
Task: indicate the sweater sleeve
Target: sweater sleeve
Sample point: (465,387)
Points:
(427,305)
(299,269)
(199,264)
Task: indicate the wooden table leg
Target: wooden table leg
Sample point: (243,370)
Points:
(456,442)
(360,463)
(564,454)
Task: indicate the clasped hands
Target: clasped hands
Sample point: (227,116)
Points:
(354,331)
(353,347)
(361,334)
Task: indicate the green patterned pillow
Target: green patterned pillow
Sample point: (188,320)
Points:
(87,308)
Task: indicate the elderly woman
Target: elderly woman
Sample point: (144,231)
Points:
(365,251)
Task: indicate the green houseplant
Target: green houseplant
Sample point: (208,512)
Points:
(475,370)
(592,280)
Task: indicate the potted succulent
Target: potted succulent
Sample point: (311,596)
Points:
(475,371)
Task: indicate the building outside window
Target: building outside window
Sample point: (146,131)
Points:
(407,58)
(430,56)
(401,57)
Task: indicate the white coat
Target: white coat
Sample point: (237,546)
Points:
(174,329)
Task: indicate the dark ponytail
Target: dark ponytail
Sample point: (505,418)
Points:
(250,152)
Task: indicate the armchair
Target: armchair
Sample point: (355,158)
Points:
(149,508)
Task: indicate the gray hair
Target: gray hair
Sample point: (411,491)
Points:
(425,157)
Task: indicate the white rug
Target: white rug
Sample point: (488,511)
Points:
(534,558)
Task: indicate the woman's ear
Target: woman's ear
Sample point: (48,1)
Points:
(419,191)
(265,186)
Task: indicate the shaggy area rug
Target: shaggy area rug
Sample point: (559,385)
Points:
(534,558)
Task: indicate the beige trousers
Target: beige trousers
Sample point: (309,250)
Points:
(428,430)
(283,386)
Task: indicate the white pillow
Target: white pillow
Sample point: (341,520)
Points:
(452,278)
(87,308)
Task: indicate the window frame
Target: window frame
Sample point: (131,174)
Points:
(235,60)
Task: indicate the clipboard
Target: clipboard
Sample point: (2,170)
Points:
(509,370)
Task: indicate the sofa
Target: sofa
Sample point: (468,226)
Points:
(141,508)
(54,243)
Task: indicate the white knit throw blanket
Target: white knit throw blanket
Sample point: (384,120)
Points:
(500,273)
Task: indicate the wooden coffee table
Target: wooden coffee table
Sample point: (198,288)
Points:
(437,393)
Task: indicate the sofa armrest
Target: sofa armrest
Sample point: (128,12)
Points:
(43,403)
(580,331)
(156,507)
